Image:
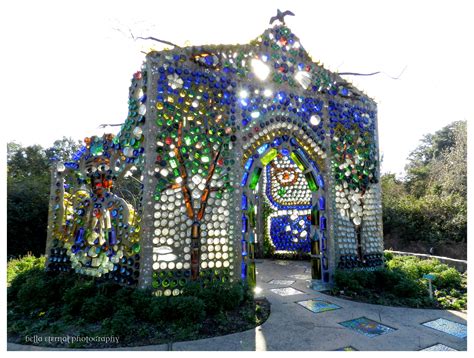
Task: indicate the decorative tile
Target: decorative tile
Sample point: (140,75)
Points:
(346,349)
(282,263)
(318,306)
(317,285)
(438,347)
(300,277)
(444,325)
(367,327)
(281,282)
(286,291)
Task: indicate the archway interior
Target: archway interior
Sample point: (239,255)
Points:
(286,199)
(283,208)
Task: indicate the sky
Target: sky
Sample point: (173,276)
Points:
(66,65)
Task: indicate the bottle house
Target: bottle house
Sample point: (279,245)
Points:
(228,153)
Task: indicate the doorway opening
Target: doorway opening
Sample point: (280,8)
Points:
(283,207)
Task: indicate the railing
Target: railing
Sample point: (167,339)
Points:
(460,265)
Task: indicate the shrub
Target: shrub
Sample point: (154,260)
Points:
(23,264)
(121,324)
(408,288)
(187,309)
(449,278)
(219,296)
(445,276)
(42,302)
(388,256)
(74,296)
(142,304)
(33,292)
(401,283)
(347,281)
(96,308)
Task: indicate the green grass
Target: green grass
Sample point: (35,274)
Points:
(401,283)
(59,304)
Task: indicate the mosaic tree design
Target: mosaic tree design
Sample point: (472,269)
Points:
(229,145)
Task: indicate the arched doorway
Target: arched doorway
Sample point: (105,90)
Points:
(283,203)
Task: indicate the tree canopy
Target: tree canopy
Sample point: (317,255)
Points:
(28,185)
(429,205)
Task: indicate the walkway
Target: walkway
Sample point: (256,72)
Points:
(302,319)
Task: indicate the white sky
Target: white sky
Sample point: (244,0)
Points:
(67,70)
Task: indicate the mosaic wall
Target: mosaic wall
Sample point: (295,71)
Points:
(93,229)
(241,144)
(288,198)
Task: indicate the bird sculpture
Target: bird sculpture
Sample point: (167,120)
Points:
(281,16)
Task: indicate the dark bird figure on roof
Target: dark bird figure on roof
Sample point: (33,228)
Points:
(281,16)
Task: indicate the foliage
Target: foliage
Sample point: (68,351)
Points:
(430,204)
(28,180)
(41,302)
(401,283)
(434,153)
(17,266)
(218,297)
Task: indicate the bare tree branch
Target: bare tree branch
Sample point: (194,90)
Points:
(371,74)
(157,40)
(109,125)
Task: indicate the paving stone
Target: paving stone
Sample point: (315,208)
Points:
(281,282)
(300,277)
(444,325)
(286,291)
(438,347)
(346,349)
(318,306)
(367,327)
(282,263)
(318,286)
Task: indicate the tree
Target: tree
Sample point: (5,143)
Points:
(429,206)
(28,186)
(63,149)
(450,169)
(423,169)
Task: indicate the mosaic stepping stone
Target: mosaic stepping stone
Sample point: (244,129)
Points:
(318,306)
(445,325)
(317,285)
(286,291)
(438,347)
(346,349)
(367,327)
(281,282)
(300,277)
